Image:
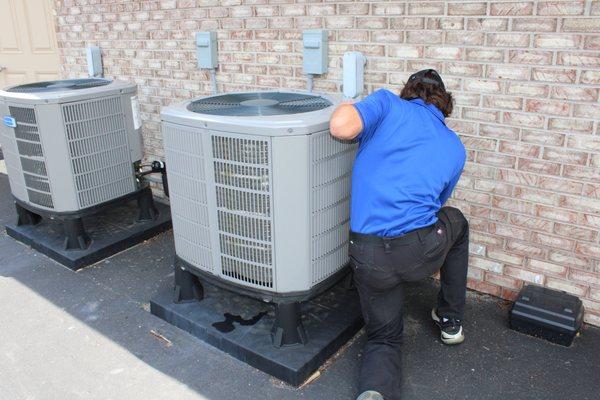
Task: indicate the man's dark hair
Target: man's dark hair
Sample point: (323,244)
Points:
(428,86)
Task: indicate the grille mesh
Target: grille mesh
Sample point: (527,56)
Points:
(242,180)
(59,86)
(31,155)
(187,186)
(259,104)
(330,186)
(99,150)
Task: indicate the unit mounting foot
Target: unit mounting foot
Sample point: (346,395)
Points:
(287,328)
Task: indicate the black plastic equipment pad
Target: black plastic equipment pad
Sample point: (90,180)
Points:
(111,231)
(241,326)
(549,314)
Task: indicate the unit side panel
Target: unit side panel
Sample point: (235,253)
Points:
(99,149)
(331,173)
(56,151)
(185,156)
(131,113)
(242,176)
(11,158)
(292,212)
(29,160)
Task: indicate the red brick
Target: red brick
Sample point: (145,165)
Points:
(565,156)
(443,53)
(534,195)
(476,143)
(464,38)
(508,72)
(407,23)
(588,249)
(484,287)
(578,59)
(530,57)
(405,51)
(543,137)
(446,24)
(494,187)
(465,99)
(568,259)
(574,93)
(499,131)
(388,9)
(475,273)
(581,25)
(560,185)
(511,204)
(556,214)
(586,277)
(517,177)
(492,240)
(472,196)
(551,241)
(534,25)
(487,24)
(424,36)
(583,142)
(526,249)
(531,223)
(523,120)
(463,127)
(478,54)
(554,75)
(592,191)
(373,23)
(587,111)
(511,8)
(520,149)
(582,173)
(558,284)
(591,77)
(592,42)
(575,232)
(480,114)
(486,264)
(503,281)
(505,102)
(478,85)
(547,268)
(495,159)
(527,89)
(426,8)
(579,203)
(524,275)
(542,167)
(386,36)
(478,8)
(591,220)
(556,41)
(561,8)
(508,39)
(338,22)
(505,257)
(570,125)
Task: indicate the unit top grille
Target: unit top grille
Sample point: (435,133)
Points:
(59,86)
(259,104)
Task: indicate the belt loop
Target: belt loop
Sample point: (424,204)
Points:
(387,247)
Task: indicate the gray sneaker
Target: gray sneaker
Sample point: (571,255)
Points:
(370,395)
(451,331)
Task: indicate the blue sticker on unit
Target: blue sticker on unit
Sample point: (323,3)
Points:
(10,121)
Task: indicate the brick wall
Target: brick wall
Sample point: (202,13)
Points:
(526,77)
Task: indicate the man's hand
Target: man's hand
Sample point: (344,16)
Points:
(345,123)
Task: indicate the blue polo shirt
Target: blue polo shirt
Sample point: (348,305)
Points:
(407,165)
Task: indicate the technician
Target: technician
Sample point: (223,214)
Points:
(407,165)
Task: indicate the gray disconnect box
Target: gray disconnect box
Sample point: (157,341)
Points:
(314,42)
(206,49)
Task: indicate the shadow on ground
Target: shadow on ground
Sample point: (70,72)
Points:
(87,335)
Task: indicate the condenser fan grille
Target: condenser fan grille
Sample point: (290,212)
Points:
(59,86)
(259,104)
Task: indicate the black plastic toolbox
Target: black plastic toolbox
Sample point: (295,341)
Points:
(549,314)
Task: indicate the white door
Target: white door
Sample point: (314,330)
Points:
(28,50)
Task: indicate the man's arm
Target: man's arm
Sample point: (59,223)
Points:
(345,123)
(445,195)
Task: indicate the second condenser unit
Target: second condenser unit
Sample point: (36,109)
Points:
(259,192)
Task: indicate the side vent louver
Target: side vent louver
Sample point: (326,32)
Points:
(32,156)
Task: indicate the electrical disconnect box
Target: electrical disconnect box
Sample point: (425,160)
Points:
(94,61)
(206,50)
(353,75)
(314,42)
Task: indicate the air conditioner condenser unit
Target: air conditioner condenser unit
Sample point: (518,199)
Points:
(260,195)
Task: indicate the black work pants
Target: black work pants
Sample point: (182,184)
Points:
(382,265)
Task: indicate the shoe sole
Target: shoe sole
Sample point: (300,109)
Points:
(446,338)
